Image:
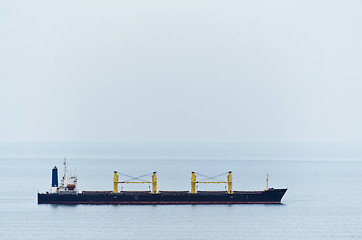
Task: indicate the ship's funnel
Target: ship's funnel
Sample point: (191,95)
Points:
(55,177)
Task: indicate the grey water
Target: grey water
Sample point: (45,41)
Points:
(323,201)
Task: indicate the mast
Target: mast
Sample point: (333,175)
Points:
(65,172)
(65,167)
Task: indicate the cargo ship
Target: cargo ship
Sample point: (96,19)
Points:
(66,193)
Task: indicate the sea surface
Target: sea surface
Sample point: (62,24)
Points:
(323,201)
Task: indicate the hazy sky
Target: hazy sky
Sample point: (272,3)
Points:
(145,70)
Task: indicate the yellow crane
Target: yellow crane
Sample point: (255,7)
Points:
(116,181)
(229,181)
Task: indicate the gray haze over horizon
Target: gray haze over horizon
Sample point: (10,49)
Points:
(180,71)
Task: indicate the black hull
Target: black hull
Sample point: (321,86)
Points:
(272,196)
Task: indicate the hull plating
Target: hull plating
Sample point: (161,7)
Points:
(272,196)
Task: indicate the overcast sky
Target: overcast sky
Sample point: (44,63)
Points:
(153,70)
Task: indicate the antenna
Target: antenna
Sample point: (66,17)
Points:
(65,166)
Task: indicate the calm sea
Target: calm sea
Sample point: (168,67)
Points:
(323,201)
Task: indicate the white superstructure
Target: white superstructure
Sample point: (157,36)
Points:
(68,184)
